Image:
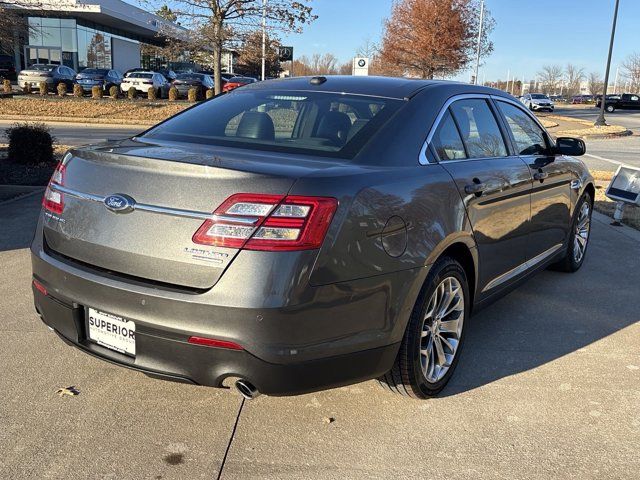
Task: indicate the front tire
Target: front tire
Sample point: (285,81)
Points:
(579,236)
(433,339)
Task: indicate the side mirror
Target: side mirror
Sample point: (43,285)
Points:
(573,147)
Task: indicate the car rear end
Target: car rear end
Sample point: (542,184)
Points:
(90,78)
(192,254)
(141,81)
(35,74)
(7,67)
(185,82)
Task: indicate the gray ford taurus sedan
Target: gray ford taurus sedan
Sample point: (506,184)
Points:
(307,233)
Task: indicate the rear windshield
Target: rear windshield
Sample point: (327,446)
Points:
(140,75)
(190,76)
(329,124)
(43,68)
(97,71)
(242,79)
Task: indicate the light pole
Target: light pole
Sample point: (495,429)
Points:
(600,121)
(475,78)
(264,36)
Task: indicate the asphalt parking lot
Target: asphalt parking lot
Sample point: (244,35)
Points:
(548,386)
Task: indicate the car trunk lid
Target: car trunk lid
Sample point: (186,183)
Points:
(174,190)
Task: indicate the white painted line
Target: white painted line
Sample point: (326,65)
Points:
(604,159)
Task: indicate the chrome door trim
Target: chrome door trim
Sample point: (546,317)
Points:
(523,267)
(174,212)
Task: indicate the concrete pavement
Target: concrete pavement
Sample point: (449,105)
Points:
(608,154)
(548,386)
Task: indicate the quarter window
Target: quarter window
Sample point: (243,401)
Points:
(446,140)
(529,138)
(478,128)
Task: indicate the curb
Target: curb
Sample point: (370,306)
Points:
(79,120)
(627,231)
(29,191)
(596,136)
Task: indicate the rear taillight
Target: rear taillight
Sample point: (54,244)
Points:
(268,222)
(53,200)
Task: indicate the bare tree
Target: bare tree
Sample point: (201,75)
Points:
(631,71)
(318,64)
(345,68)
(550,77)
(574,75)
(213,23)
(428,37)
(368,49)
(595,82)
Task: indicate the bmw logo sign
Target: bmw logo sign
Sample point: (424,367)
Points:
(362,62)
(119,203)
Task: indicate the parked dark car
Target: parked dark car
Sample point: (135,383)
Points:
(185,81)
(52,74)
(7,67)
(626,101)
(101,77)
(236,82)
(307,233)
(170,75)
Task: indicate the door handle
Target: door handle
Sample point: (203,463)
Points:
(540,175)
(475,188)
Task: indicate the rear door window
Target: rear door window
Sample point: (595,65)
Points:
(529,138)
(446,140)
(478,128)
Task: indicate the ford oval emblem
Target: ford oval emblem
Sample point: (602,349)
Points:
(119,203)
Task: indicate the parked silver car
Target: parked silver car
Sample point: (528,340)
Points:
(46,72)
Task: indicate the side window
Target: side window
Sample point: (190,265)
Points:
(446,140)
(530,139)
(478,128)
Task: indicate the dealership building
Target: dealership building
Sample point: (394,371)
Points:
(91,33)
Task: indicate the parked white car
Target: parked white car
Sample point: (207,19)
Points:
(537,101)
(145,81)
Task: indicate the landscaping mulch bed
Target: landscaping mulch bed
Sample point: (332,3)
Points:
(605,205)
(13,173)
(107,109)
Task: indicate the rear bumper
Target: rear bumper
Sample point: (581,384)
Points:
(176,360)
(294,342)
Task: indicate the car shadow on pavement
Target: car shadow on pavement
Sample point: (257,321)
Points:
(19,218)
(553,314)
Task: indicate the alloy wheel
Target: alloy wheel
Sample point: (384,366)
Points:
(581,234)
(442,329)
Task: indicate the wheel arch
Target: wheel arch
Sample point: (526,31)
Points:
(467,257)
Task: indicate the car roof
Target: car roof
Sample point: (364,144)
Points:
(390,87)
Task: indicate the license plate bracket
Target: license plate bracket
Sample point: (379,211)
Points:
(111,331)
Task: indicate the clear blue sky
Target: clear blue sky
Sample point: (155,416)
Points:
(528,33)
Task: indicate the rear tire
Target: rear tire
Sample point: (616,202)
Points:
(610,108)
(578,241)
(431,345)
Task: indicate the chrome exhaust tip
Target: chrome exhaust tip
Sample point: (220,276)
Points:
(247,389)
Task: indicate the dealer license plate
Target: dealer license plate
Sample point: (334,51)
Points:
(111,331)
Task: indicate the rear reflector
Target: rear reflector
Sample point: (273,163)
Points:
(212,342)
(53,201)
(40,287)
(268,222)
